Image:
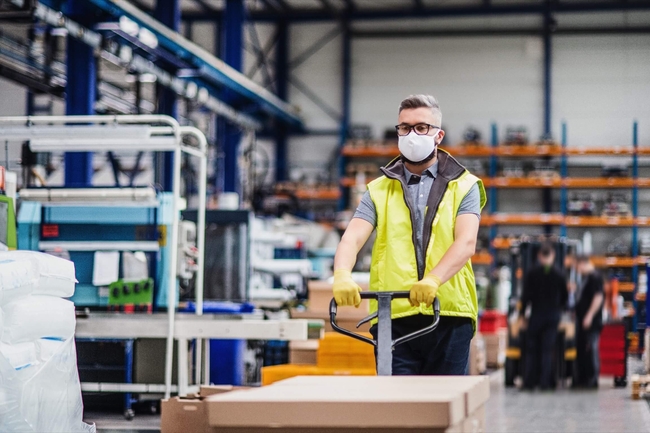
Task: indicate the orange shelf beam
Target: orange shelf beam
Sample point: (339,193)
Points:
(482,259)
(614,262)
(626,287)
(601,182)
(318,194)
(387,151)
(596,151)
(522,182)
(640,297)
(524,219)
(599,221)
(528,150)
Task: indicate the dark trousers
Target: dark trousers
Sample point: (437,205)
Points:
(540,347)
(587,359)
(444,351)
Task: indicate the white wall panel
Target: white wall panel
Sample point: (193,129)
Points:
(476,80)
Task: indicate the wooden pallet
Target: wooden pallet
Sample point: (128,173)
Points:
(640,386)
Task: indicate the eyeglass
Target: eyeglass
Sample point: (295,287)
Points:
(419,128)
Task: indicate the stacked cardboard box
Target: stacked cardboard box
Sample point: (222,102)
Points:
(190,413)
(320,295)
(495,348)
(477,356)
(303,352)
(434,404)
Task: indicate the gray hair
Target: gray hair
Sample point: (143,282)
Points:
(420,101)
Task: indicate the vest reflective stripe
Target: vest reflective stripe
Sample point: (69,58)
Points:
(394,265)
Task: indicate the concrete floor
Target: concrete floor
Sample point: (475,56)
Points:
(607,410)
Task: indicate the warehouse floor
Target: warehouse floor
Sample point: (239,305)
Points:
(607,410)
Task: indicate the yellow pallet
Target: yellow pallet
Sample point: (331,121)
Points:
(276,373)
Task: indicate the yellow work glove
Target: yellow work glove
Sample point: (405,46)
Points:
(346,291)
(424,291)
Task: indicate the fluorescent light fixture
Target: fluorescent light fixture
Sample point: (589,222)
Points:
(72,132)
(129,26)
(148,38)
(163,144)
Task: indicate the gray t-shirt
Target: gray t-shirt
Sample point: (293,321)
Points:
(418,189)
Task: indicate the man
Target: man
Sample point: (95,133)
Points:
(425,209)
(545,291)
(589,322)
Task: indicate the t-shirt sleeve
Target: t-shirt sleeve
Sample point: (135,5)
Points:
(471,203)
(366,210)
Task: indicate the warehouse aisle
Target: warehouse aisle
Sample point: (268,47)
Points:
(508,410)
(607,410)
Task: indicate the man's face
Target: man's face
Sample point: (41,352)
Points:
(413,116)
(546,260)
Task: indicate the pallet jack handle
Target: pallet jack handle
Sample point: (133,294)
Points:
(384,311)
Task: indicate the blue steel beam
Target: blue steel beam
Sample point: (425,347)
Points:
(168,12)
(213,69)
(81,88)
(282,81)
(485,8)
(229,135)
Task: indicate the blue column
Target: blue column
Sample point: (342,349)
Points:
(548,45)
(232,49)
(168,12)
(282,80)
(564,173)
(80,95)
(346,83)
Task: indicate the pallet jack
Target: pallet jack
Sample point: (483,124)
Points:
(384,344)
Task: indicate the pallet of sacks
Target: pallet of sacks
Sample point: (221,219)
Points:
(39,382)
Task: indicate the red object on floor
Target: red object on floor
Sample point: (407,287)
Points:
(613,350)
(491,321)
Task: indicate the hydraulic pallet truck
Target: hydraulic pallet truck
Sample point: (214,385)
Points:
(384,344)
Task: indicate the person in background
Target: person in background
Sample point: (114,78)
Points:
(545,291)
(589,322)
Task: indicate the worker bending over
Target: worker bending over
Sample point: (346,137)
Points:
(545,291)
(426,209)
(589,323)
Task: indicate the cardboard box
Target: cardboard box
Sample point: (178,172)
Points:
(477,356)
(303,352)
(347,318)
(475,423)
(190,414)
(345,404)
(320,296)
(495,348)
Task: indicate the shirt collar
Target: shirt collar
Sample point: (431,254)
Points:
(431,172)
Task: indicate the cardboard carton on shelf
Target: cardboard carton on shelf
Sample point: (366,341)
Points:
(320,296)
(190,413)
(303,352)
(450,404)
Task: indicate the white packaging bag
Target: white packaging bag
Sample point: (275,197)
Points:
(20,356)
(48,401)
(18,278)
(46,347)
(38,316)
(55,276)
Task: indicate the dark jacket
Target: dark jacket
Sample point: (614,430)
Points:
(545,290)
(593,284)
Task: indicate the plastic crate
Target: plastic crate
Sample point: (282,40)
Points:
(336,350)
(280,372)
(492,321)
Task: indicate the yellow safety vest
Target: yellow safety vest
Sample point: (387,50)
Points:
(394,266)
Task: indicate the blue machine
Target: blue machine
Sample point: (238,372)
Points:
(81,228)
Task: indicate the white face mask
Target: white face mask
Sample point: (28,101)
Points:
(416,147)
